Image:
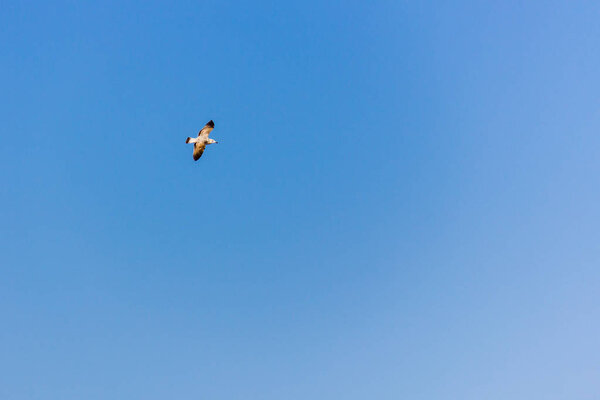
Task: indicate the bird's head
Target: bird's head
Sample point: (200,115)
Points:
(211,141)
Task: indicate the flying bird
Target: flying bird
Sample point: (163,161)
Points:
(202,140)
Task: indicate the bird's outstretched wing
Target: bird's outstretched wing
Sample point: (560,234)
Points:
(207,129)
(198,150)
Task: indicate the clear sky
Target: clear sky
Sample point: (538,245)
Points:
(404,203)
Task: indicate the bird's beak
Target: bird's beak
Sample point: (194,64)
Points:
(216,142)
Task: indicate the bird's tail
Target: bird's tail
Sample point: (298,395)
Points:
(190,140)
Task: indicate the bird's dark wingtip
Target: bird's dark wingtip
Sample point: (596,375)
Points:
(211,123)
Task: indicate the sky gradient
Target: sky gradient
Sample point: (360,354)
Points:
(403,203)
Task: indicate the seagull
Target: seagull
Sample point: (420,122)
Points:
(202,140)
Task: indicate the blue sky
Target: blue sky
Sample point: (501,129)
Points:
(403,202)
